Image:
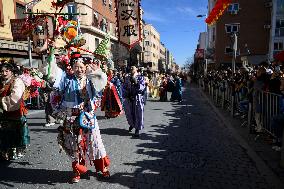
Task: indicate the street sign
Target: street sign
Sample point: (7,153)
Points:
(16,28)
(129,22)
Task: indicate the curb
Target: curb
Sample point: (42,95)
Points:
(264,170)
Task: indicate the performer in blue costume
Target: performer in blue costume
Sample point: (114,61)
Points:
(177,93)
(133,94)
(80,135)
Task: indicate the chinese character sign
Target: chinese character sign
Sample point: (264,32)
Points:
(42,32)
(16,28)
(129,22)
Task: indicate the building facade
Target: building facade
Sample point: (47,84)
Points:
(162,59)
(18,50)
(100,20)
(251,30)
(151,47)
(277,27)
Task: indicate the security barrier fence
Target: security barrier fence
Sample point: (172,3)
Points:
(257,108)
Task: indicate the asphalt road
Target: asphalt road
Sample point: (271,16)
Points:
(184,145)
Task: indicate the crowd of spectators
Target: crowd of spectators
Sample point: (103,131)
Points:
(252,85)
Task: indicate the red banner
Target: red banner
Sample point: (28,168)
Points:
(16,28)
(128,22)
(199,53)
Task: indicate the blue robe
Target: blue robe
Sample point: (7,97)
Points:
(133,95)
(176,94)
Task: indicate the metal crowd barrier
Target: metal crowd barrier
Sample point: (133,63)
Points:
(269,103)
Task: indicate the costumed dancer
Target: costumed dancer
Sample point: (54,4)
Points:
(133,94)
(177,93)
(14,133)
(80,135)
(164,90)
(112,97)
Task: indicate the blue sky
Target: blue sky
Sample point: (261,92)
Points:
(177,23)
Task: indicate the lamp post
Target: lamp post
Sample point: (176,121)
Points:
(206,29)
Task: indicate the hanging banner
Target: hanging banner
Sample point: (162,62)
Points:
(16,28)
(129,22)
(42,32)
(199,53)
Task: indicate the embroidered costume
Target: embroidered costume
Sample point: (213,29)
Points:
(14,133)
(133,94)
(112,98)
(80,136)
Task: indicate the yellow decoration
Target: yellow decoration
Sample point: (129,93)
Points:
(71,33)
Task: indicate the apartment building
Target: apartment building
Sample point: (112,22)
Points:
(100,20)
(277,27)
(152,47)
(18,50)
(249,20)
(162,59)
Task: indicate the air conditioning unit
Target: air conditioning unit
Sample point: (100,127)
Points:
(268,4)
(267,26)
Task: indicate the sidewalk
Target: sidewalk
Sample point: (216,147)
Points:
(260,145)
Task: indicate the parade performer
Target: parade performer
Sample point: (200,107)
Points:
(133,94)
(177,93)
(163,89)
(112,99)
(80,135)
(14,133)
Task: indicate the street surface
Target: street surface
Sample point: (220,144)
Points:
(184,145)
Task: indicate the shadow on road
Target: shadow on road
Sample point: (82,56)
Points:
(161,168)
(33,176)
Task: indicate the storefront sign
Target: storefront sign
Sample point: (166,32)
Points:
(42,32)
(129,22)
(4,44)
(16,28)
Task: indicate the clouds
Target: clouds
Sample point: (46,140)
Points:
(189,11)
(153,17)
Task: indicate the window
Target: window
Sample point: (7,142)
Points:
(147,43)
(20,9)
(232,28)
(97,42)
(146,32)
(154,45)
(110,5)
(71,9)
(104,25)
(279,30)
(228,50)
(154,55)
(104,2)
(280,7)
(233,8)
(96,19)
(278,46)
